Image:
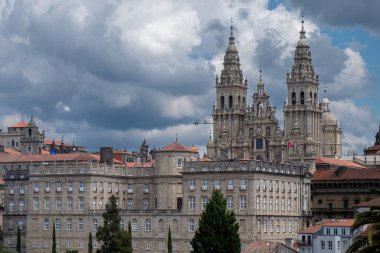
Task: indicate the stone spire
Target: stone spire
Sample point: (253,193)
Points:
(302,67)
(231,74)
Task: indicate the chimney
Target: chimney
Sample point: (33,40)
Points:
(106,155)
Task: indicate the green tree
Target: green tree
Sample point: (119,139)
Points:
(170,247)
(114,239)
(371,243)
(71,251)
(90,246)
(129,239)
(218,231)
(54,246)
(18,243)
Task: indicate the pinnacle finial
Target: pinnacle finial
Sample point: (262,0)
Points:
(325,90)
(232,27)
(302,20)
(261,71)
(176,137)
(22,117)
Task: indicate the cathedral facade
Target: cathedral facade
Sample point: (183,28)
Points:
(253,131)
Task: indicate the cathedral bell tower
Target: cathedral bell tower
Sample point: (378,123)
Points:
(302,112)
(228,113)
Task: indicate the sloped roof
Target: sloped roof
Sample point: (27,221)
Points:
(332,161)
(348,174)
(310,230)
(339,223)
(374,148)
(177,147)
(19,124)
(56,142)
(48,158)
(141,165)
(369,203)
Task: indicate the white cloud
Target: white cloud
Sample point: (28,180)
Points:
(63,107)
(353,78)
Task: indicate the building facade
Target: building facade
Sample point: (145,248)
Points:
(69,191)
(253,132)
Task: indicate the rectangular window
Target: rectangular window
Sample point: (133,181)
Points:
(80,224)
(243,184)
(191,225)
(322,245)
(191,185)
(330,245)
(58,186)
(191,202)
(130,188)
(257,202)
(109,187)
(230,202)
(81,186)
(148,225)
(335,231)
(81,203)
(230,184)
(58,203)
(328,231)
(130,204)
(217,184)
(204,185)
(243,202)
(146,188)
(70,186)
(47,187)
(46,223)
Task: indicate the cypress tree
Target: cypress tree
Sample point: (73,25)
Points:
(218,231)
(18,243)
(170,246)
(129,239)
(54,247)
(90,247)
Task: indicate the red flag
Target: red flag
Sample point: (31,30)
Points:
(290,145)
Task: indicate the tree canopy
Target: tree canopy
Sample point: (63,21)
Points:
(218,231)
(115,240)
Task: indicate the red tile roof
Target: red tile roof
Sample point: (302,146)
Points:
(19,124)
(348,174)
(310,230)
(337,162)
(369,203)
(264,247)
(12,151)
(339,223)
(177,147)
(48,158)
(374,148)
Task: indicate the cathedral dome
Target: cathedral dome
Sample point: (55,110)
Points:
(325,101)
(328,119)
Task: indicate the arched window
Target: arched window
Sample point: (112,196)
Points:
(230,101)
(243,101)
(302,98)
(239,100)
(222,102)
(315,98)
(294,98)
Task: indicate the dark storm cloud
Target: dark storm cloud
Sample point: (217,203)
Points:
(341,13)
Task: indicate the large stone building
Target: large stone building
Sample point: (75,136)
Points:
(69,191)
(253,132)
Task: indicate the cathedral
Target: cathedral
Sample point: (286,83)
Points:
(253,131)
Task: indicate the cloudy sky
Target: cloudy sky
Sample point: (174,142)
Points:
(111,73)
